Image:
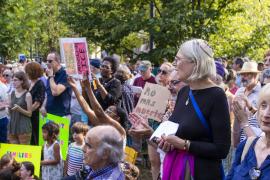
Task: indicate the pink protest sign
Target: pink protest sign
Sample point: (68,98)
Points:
(81,58)
(74,52)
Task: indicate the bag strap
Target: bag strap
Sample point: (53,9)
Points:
(205,124)
(247,146)
(199,113)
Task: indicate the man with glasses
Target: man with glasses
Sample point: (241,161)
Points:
(58,90)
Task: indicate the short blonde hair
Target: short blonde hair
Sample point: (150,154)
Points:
(171,68)
(199,52)
(265,92)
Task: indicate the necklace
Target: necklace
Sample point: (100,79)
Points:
(187,101)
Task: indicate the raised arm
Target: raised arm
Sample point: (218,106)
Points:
(100,114)
(86,108)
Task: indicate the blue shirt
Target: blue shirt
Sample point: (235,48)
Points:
(59,105)
(240,170)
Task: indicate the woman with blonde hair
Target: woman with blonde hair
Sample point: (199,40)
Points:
(201,111)
(252,155)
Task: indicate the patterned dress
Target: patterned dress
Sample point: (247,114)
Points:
(51,172)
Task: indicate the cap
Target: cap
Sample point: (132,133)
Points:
(95,63)
(144,65)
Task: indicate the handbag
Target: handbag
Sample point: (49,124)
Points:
(204,123)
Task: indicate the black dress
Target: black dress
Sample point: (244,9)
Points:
(38,95)
(208,151)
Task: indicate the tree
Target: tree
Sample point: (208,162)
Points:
(247,33)
(109,23)
(30,27)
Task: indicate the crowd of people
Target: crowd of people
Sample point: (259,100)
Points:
(222,109)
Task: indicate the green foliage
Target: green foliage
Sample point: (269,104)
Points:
(246,33)
(233,27)
(111,23)
(29,24)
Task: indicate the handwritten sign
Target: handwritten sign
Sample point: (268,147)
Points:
(23,153)
(63,131)
(74,52)
(153,101)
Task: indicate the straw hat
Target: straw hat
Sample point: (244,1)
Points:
(249,67)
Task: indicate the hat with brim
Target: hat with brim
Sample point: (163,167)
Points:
(249,67)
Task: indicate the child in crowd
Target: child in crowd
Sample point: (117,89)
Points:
(75,153)
(27,171)
(52,166)
(7,161)
(9,168)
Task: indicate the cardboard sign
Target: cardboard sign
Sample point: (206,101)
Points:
(153,101)
(74,52)
(23,153)
(63,131)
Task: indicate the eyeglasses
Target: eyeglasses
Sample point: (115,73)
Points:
(254,173)
(163,72)
(110,112)
(87,144)
(105,66)
(49,61)
(175,82)
(178,59)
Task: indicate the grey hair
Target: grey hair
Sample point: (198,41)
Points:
(199,52)
(112,141)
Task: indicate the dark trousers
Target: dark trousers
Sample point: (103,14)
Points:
(3,130)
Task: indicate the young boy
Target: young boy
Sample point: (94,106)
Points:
(75,153)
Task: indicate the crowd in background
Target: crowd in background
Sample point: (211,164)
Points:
(222,107)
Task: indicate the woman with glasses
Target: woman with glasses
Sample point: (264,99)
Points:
(20,109)
(163,76)
(7,74)
(201,110)
(252,160)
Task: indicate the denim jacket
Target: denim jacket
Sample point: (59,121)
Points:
(240,170)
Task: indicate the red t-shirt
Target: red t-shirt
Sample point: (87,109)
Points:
(139,81)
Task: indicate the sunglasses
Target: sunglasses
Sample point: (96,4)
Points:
(163,72)
(49,61)
(103,66)
(175,82)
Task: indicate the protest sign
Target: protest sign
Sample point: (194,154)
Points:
(63,131)
(153,101)
(23,153)
(74,52)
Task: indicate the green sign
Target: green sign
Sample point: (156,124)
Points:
(63,131)
(23,153)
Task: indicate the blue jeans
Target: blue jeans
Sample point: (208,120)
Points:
(3,131)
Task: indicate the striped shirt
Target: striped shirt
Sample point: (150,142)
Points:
(75,158)
(254,125)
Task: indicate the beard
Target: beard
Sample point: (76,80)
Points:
(246,82)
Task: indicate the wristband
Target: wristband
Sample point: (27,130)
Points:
(246,125)
(186,145)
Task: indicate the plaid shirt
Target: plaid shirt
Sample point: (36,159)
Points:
(111,172)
